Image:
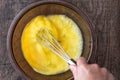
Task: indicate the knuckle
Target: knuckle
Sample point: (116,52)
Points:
(104,69)
(81,61)
(82,58)
(95,66)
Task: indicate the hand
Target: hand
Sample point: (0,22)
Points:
(84,71)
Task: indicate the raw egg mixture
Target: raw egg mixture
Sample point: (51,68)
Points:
(65,31)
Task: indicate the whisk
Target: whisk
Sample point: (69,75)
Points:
(45,37)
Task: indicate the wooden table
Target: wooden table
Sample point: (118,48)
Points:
(104,14)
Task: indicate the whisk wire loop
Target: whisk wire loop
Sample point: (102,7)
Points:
(45,37)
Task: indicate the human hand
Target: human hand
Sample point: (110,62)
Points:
(84,71)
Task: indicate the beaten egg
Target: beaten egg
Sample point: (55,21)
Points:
(40,58)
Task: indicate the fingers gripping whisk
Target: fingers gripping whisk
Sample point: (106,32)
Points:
(45,37)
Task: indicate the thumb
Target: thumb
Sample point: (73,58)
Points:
(73,68)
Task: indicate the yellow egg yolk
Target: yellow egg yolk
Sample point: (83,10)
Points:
(40,58)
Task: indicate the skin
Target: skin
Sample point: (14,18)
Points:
(84,71)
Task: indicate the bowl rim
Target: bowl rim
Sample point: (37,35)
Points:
(27,8)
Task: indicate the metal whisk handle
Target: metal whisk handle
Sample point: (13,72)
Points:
(71,62)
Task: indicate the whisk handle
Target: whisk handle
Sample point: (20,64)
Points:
(72,62)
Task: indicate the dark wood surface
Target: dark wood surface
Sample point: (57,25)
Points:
(104,14)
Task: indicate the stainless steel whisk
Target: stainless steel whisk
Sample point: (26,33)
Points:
(45,37)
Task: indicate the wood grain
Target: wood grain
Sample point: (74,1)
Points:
(105,15)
